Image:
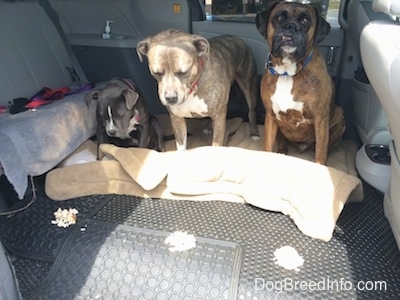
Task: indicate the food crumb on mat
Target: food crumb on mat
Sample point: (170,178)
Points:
(65,217)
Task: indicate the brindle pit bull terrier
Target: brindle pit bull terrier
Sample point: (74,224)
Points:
(195,76)
(296,89)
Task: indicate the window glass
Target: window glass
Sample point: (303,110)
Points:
(245,10)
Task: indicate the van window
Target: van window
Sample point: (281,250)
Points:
(245,10)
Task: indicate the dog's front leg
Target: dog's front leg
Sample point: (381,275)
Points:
(219,126)
(321,127)
(101,138)
(270,131)
(144,138)
(179,129)
(156,134)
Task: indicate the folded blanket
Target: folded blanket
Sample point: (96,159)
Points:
(311,194)
(342,157)
(35,141)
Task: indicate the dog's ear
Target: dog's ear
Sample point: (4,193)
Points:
(322,28)
(92,95)
(263,17)
(131,97)
(142,48)
(202,45)
(262,21)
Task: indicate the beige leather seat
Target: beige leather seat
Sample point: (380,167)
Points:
(369,117)
(380,52)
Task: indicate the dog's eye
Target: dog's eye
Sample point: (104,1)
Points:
(305,20)
(281,17)
(158,74)
(180,73)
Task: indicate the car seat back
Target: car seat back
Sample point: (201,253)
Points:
(380,51)
(369,117)
(34,56)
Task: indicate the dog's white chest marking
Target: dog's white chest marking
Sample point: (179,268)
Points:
(282,99)
(135,120)
(193,106)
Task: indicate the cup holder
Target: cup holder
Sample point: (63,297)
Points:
(378,153)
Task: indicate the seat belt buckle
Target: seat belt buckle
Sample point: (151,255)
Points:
(73,74)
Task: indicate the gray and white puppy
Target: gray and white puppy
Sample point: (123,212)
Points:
(122,117)
(195,76)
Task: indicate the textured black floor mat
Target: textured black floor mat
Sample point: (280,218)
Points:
(30,234)
(104,261)
(30,273)
(363,246)
(362,260)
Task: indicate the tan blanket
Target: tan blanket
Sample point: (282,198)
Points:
(311,194)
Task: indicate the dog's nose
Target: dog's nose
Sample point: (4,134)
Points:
(172,100)
(171,97)
(292,26)
(111,132)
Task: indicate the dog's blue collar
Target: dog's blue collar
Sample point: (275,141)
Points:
(272,71)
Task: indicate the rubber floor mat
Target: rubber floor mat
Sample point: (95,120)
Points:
(107,261)
(362,261)
(362,251)
(30,233)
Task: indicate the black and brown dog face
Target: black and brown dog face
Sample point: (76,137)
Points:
(116,108)
(291,28)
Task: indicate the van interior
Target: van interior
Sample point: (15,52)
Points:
(229,223)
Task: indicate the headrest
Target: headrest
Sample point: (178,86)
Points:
(389,7)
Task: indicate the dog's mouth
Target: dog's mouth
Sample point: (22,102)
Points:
(172,98)
(287,44)
(286,38)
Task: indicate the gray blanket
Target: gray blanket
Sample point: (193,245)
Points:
(33,142)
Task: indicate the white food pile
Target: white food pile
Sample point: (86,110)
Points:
(288,258)
(180,241)
(65,217)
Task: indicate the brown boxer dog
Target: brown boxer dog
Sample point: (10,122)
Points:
(296,89)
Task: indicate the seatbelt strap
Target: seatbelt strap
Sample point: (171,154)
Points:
(77,69)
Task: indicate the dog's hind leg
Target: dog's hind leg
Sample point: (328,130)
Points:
(249,90)
(337,126)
